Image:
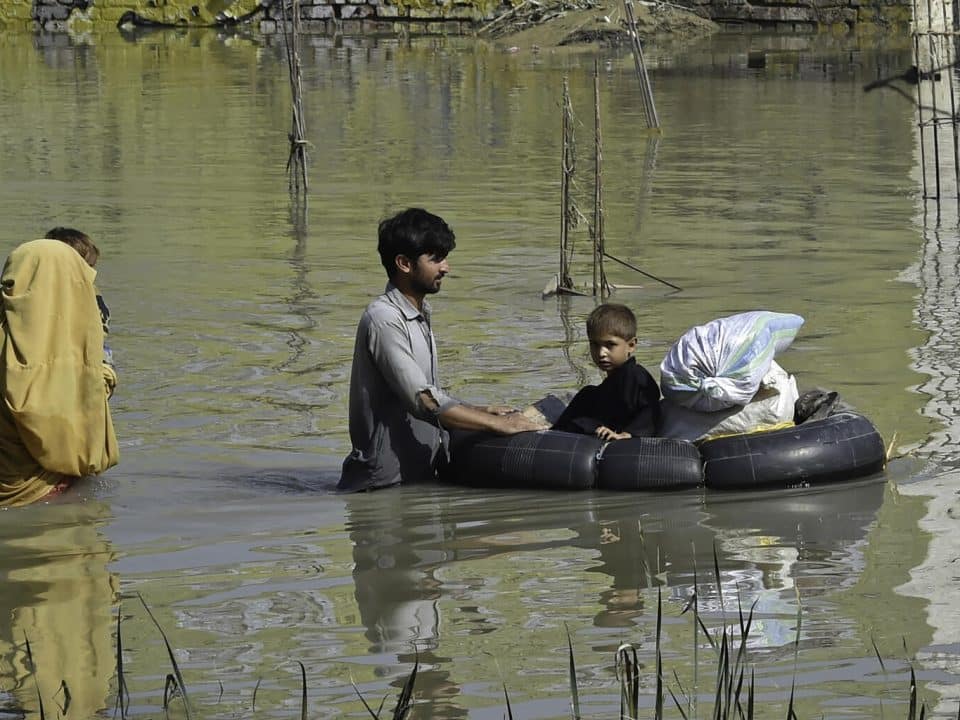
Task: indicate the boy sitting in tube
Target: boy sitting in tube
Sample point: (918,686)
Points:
(627,403)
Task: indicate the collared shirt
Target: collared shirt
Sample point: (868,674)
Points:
(395,437)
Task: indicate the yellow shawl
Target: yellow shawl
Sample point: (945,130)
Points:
(55,422)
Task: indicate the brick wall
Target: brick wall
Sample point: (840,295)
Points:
(393,17)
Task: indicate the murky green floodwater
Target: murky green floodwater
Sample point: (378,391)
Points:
(784,188)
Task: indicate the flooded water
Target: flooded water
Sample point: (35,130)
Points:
(786,188)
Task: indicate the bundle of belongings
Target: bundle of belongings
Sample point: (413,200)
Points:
(721,379)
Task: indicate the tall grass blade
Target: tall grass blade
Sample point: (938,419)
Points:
(923,710)
(876,651)
(170,692)
(33,669)
(658,712)
(506,697)
(706,633)
(716,574)
(303,691)
(220,696)
(719,694)
(659,696)
(173,660)
(677,703)
(912,711)
(731,676)
(253,700)
(742,622)
(65,689)
(750,697)
(123,693)
(676,679)
(744,636)
(696,642)
(374,715)
(791,714)
(628,673)
(574,693)
(405,701)
(736,694)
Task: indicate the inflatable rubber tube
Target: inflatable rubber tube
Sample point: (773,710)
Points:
(549,460)
(650,464)
(838,447)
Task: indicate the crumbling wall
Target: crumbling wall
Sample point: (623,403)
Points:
(392,17)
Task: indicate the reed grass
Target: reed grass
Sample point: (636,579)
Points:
(33,669)
(733,690)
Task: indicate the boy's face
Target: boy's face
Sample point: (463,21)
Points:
(611,351)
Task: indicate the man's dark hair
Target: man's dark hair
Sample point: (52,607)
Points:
(612,319)
(78,241)
(412,233)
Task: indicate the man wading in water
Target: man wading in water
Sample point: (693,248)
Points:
(398,413)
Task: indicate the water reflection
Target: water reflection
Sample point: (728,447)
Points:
(301,290)
(58,594)
(428,563)
(937,272)
(235,321)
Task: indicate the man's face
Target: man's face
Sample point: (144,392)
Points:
(427,273)
(611,351)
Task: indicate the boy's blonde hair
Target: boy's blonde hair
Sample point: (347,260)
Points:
(612,319)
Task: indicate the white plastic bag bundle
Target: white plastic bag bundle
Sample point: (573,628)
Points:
(719,365)
(772,407)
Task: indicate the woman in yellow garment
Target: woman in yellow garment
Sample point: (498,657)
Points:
(55,423)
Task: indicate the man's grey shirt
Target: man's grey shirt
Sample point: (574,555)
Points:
(395,437)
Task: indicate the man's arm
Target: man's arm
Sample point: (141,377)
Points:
(464,417)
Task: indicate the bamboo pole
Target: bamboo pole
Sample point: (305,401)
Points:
(599,276)
(297,159)
(950,61)
(920,125)
(646,91)
(568,165)
(564,188)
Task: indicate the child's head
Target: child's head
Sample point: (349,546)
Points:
(612,331)
(78,241)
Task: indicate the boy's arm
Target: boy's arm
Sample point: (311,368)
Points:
(605,433)
(578,418)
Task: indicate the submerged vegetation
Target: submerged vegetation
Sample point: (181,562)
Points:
(729,694)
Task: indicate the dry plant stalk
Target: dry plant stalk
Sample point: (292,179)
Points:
(297,159)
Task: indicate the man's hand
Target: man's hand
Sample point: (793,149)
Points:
(499,409)
(606,434)
(517,422)
(464,417)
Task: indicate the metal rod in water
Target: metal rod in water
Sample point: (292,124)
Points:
(566,172)
(599,277)
(931,48)
(297,159)
(646,91)
(920,127)
(953,100)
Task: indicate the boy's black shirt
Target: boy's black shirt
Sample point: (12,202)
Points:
(628,400)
